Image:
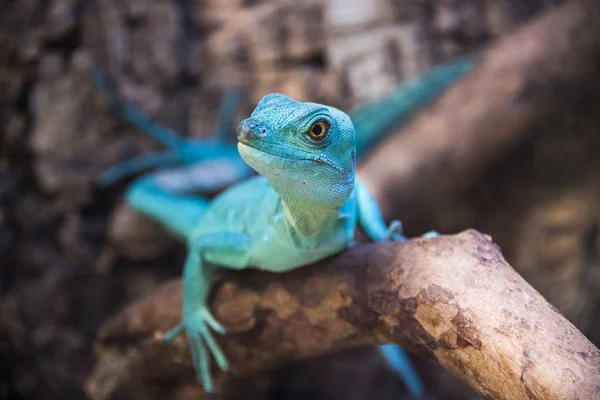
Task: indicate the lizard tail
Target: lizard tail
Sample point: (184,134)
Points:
(176,212)
(375,120)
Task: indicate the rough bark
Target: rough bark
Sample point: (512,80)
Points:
(452,299)
(511,150)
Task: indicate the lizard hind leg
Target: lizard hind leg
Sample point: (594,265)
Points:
(371,221)
(399,361)
(131,114)
(172,196)
(179,213)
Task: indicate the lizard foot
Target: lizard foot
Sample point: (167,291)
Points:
(197,326)
(430,234)
(199,336)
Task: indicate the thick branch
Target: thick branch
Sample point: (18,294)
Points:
(451,299)
(525,78)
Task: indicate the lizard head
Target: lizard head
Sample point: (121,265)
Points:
(305,150)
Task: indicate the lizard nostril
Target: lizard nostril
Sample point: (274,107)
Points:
(242,131)
(248,131)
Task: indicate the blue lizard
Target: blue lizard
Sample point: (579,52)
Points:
(304,206)
(154,196)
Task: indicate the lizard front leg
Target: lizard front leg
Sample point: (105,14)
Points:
(207,252)
(371,220)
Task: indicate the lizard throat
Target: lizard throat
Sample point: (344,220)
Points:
(308,220)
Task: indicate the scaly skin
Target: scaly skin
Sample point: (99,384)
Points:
(304,206)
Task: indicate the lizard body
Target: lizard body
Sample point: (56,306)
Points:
(304,206)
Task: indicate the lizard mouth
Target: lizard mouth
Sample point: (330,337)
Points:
(280,156)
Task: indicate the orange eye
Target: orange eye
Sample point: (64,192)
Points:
(317,130)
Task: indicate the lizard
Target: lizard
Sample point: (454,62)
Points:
(218,160)
(304,205)
(205,157)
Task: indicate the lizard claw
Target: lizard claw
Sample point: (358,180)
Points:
(173,333)
(395,231)
(430,234)
(210,320)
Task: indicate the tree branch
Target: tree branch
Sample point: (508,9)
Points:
(451,299)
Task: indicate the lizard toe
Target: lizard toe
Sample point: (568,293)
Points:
(212,322)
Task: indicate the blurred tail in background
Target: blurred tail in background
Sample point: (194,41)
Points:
(375,120)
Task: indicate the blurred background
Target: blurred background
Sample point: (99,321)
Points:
(72,255)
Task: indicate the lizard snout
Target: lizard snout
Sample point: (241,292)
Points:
(249,131)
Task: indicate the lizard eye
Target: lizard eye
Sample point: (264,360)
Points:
(318,130)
